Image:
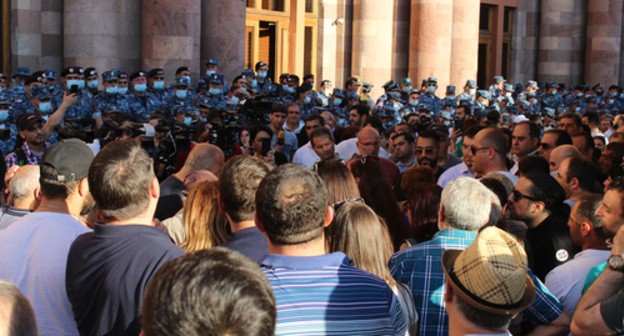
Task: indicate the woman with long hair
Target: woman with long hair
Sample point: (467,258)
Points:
(360,234)
(204,225)
(339,181)
(421,209)
(378,194)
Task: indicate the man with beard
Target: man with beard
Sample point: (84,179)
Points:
(538,200)
(464,168)
(35,248)
(489,153)
(601,309)
(403,143)
(427,150)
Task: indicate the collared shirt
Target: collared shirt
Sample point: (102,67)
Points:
(566,280)
(453,173)
(9,214)
(405,166)
(31,157)
(420,267)
(305,155)
(325,295)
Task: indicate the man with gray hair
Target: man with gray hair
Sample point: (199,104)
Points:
(465,207)
(23,195)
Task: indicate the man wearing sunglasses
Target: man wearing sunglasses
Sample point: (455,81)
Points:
(489,153)
(538,200)
(552,139)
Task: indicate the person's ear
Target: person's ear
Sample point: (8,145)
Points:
(259,223)
(448,292)
(329,216)
(83,187)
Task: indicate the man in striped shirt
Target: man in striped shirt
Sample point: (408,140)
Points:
(316,293)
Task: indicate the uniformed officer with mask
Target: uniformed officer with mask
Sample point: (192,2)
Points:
(141,103)
(71,82)
(212,67)
(108,97)
(337,107)
(156,83)
(406,88)
(8,130)
(23,103)
(216,93)
(92,82)
(19,79)
(449,94)
(470,90)
(178,97)
(552,98)
(263,81)
(429,98)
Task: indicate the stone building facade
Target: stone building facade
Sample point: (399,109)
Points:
(568,41)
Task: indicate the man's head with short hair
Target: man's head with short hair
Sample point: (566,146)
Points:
(238,183)
(536,194)
(611,210)
(525,138)
(561,153)
(576,175)
(24,186)
(322,142)
(121,178)
(585,226)
(205,156)
(368,141)
(403,143)
(584,142)
(491,146)
(17,317)
(63,167)
(209,292)
(552,139)
(292,206)
(426,149)
(313,122)
(358,115)
(465,204)
(570,123)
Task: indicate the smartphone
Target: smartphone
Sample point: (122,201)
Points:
(266,146)
(73,89)
(459,124)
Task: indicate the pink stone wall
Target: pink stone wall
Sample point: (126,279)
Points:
(604,34)
(171,36)
(223,35)
(524,42)
(465,42)
(431,40)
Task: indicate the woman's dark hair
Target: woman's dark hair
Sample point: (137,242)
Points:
(378,194)
(423,203)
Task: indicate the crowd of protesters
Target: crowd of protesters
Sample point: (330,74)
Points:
(258,207)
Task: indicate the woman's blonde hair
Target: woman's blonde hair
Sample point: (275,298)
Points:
(204,225)
(362,235)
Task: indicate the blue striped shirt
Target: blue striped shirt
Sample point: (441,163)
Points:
(325,295)
(420,267)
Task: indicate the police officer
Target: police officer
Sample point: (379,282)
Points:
(433,102)
(304,100)
(450,94)
(108,97)
(8,130)
(552,99)
(141,103)
(508,91)
(156,83)
(212,67)
(263,81)
(122,82)
(406,88)
(496,87)
(70,81)
(19,79)
(53,86)
(337,107)
(215,94)
(92,83)
(470,90)
(178,97)
(23,103)
(365,97)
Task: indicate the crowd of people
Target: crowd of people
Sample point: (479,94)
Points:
(259,208)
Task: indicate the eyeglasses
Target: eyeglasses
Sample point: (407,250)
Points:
(337,205)
(517,196)
(474,150)
(426,150)
(545,145)
(364,158)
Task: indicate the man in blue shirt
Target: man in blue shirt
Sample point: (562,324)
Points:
(316,293)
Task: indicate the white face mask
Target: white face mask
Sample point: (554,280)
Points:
(473,92)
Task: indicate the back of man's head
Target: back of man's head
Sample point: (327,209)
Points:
(17,317)
(205,156)
(585,211)
(24,184)
(120,179)
(62,167)
(467,204)
(238,183)
(546,189)
(209,292)
(497,139)
(583,170)
(563,137)
(291,204)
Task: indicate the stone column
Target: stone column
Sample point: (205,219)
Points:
(102,34)
(400,41)
(524,42)
(372,43)
(171,35)
(431,40)
(328,31)
(223,35)
(52,34)
(604,34)
(562,41)
(25,34)
(465,42)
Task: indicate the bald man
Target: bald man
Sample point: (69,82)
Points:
(23,195)
(203,156)
(489,153)
(559,154)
